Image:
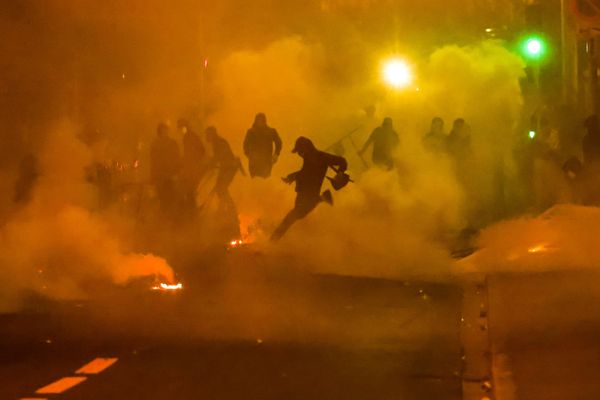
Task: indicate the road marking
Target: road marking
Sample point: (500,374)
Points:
(61,385)
(96,366)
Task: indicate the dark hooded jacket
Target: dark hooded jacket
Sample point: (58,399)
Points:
(312,174)
(260,144)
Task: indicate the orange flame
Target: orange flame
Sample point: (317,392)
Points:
(236,243)
(167,286)
(540,248)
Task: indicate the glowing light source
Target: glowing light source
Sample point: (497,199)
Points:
(531,134)
(235,244)
(397,73)
(533,47)
(540,248)
(168,286)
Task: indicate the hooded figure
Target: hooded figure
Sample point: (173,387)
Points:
(193,162)
(458,141)
(385,141)
(165,162)
(435,140)
(226,162)
(262,146)
(308,182)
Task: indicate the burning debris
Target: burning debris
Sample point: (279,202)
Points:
(234,244)
(540,248)
(168,287)
(250,229)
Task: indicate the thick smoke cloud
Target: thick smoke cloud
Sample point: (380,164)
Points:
(386,224)
(56,245)
(562,238)
(119,68)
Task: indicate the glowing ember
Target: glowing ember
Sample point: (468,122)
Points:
(167,286)
(540,248)
(236,243)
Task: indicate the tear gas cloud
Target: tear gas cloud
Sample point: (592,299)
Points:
(56,244)
(390,218)
(561,238)
(116,70)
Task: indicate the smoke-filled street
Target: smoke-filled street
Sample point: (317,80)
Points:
(299,199)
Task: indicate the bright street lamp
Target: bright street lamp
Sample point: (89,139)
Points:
(397,73)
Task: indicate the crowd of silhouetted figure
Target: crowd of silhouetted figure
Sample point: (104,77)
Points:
(176,174)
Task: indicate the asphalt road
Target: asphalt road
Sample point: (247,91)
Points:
(545,330)
(260,336)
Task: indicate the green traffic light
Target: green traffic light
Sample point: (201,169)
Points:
(534,47)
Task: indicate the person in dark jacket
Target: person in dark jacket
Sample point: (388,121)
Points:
(309,180)
(193,163)
(227,164)
(435,140)
(385,141)
(262,146)
(165,162)
(458,142)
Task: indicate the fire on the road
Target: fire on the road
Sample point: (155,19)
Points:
(168,286)
(235,243)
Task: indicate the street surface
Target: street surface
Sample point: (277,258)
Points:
(545,330)
(262,335)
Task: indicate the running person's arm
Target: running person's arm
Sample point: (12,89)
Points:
(291,177)
(336,162)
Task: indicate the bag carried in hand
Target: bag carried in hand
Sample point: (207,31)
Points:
(340,180)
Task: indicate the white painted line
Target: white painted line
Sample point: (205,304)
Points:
(61,385)
(96,366)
